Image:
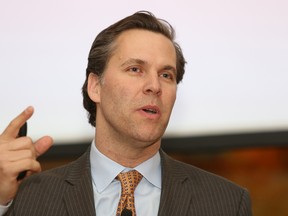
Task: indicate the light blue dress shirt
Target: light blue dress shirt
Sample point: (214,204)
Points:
(107,190)
(4,209)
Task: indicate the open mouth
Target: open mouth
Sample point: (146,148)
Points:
(150,111)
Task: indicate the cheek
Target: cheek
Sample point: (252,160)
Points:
(170,101)
(171,97)
(115,94)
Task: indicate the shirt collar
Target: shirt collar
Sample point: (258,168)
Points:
(104,170)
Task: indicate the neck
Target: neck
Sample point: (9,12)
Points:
(127,154)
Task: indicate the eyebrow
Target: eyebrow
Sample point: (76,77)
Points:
(133,61)
(142,62)
(170,68)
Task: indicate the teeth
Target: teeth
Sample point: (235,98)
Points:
(150,111)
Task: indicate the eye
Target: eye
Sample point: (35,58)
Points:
(167,75)
(134,69)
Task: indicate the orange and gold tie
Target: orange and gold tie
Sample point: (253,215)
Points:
(129,182)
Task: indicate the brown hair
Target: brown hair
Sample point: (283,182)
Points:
(103,47)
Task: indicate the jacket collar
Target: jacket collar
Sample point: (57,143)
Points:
(79,198)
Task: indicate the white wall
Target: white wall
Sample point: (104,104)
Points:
(236,76)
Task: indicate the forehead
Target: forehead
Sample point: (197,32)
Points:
(138,43)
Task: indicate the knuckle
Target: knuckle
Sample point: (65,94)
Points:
(26,141)
(27,154)
(34,165)
(30,154)
(4,168)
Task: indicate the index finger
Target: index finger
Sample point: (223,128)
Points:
(14,126)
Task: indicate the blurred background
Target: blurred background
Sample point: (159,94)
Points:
(230,116)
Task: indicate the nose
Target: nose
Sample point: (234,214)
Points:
(152,85)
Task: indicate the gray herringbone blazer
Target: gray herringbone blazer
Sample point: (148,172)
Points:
(186,191)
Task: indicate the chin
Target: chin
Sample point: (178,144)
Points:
(151,137)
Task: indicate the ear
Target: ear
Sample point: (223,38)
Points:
(93,87)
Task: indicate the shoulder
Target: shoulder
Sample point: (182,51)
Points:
(197,175)
(49,188)
(60,178)
(203,183)
(73,169)
(206,193)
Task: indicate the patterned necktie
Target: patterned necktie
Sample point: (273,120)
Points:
(129,182)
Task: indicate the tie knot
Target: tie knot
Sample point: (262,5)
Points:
(129,181)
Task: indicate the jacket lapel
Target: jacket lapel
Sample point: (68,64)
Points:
(175,195)
(78,198)
(175,192)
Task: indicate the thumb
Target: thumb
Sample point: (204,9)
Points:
(42,145)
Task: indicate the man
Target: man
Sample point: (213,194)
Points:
(133,70)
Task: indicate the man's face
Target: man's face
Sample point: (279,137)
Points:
(138,89)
